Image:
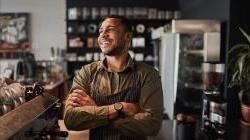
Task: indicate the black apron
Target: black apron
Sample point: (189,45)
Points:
(132,94)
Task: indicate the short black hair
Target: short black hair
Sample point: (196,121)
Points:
(124,21)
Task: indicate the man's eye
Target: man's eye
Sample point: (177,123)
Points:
(107,30)
(100,31)
(110,29)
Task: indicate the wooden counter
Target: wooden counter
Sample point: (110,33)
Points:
(38,114)
(58,89)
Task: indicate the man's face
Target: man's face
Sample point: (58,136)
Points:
(113,39)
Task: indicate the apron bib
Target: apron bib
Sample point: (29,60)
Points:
(131,94)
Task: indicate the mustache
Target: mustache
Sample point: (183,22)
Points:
(105,39)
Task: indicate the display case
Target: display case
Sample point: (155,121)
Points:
(182,50)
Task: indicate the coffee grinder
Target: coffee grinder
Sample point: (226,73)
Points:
(214,104)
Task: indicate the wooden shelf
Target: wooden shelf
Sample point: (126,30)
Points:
(132,20)
(14,50)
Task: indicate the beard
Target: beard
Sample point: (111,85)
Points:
(116,51)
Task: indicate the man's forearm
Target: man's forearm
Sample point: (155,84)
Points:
(85,117)
(89,116)
(141,124)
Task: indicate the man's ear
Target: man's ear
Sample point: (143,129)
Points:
(128,36)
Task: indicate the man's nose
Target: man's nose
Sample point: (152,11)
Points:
(103,34)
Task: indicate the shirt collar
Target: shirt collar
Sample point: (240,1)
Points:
(130,64)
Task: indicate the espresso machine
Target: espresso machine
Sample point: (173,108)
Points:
(214,105)
(28,112)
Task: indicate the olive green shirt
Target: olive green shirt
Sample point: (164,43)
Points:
(146,123)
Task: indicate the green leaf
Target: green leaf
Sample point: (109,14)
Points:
(241,63)
(234,80)
(235,58)
(240,94)
(235,75)
(239,46)
(245,34)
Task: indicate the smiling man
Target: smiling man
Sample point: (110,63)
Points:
(116,98)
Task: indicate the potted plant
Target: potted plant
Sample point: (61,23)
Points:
(240,68)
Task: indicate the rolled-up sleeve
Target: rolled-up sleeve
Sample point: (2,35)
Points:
(84,117)
(148,121)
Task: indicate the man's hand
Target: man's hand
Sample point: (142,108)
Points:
(130,109)
(80,98)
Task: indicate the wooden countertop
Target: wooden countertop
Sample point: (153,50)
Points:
(52,85)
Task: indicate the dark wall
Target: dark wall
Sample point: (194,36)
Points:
(239,17)
(233,14)
(205,9)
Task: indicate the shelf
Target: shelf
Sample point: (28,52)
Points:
(82,49)
(132,20)
(196,52)
(77,61)
(86,34)
(193,69)
(83,20)
(145,35)
(14,50)
(193,86)
(82,34)
(80,26)
(13,53)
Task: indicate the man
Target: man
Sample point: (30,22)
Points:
(117,98)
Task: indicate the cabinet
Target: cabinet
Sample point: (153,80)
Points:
(83,18)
